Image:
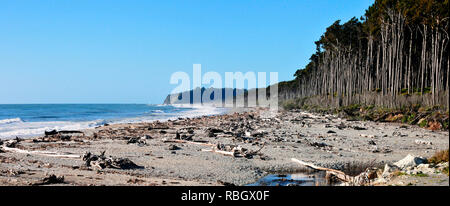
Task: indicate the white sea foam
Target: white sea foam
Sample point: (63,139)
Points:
(199,110)
(8,121)
(196,111)
(29,129)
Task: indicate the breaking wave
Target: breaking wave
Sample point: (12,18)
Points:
(8,121)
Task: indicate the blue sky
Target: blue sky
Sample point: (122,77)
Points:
(107,51)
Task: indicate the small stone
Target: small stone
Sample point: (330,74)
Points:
(173,147)
(359,128)
(423,142)
(146,137)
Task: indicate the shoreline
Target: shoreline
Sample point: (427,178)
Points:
(179,152)
(33,129)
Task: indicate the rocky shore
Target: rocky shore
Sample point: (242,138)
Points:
(238,148)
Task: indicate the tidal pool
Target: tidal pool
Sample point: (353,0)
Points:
(298,179)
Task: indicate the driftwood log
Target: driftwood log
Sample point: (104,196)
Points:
(362,179)
(226,153)
(42,153)
(189,142)
(339,174)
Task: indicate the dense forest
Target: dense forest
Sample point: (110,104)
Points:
(395,55)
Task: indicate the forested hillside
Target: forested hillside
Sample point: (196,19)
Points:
(395,55)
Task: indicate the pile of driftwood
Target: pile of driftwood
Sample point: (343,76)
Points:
(101,162)
(140,141)
(187,137)
(362,179)
(11,146)
(234,150)
(224,149)
(11,143)
(131,130)
(63,135)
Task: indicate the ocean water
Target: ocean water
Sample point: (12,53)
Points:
(27,120)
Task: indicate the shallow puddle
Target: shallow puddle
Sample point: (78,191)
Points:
(298,179)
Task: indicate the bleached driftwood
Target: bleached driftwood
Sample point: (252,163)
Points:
(362,179)
(220,152)
(339,174)
(42,153)
(189,142)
